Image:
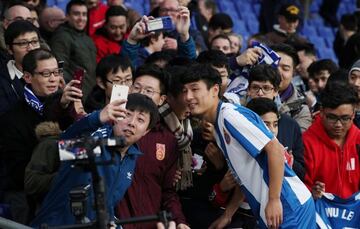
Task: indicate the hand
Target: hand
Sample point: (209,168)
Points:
(208,131)
(62,82)
(249,57)
(79,108)
(221,222)
(318,190)
(170,43)
(215,155)
(182,23)
(113,111)
(172,225)
(138,32)
(71,94)
(274,213)
(182,226)
(177,177)
(228,182)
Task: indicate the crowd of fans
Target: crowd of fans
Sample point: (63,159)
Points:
(212,134)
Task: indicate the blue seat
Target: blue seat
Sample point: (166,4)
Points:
(319,43)
(240,27)
(328,54)
(325,32)
(253,26)
(309,31)
(329,42)
(256,8)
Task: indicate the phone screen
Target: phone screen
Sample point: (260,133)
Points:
(79,75)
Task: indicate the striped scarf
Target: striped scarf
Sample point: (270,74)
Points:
(183,134)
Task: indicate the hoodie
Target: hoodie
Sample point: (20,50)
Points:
(326,162)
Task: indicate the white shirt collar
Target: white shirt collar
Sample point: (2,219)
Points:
(13,70)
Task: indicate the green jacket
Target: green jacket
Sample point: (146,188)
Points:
(76,49)
(44,163)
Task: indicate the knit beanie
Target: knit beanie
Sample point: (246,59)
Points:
(355,67)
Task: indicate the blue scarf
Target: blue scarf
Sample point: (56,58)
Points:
(33,101)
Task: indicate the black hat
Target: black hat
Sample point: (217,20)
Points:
(290,12)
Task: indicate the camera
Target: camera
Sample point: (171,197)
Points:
(160,23)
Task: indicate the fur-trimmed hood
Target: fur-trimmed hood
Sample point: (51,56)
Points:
(46,129)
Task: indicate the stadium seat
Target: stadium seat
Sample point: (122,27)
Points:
(309,31)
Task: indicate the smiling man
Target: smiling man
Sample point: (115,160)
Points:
(71,45)
(17,137)
(275,194)
(137,119)
(108,38)
(331,144)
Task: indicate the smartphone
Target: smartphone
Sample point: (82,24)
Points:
(119,92)
(160,23)
(79,75)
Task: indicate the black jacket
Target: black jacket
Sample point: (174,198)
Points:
(11,91)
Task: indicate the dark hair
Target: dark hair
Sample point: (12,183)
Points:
(349,21)
(142,103)
(262,106)
(180,61)
(18,28)
(115,11)
(352,48)
(220,36)
(146,41)
(29,63)
(287,50)
(112,63)
(263,73)
(211,4)
(214,57)
(156,72)
(307,47)
(222,21)
(72,3)
(165,55)
(203,72)
(341,75)
(337,93)
(322,65)
(174,83)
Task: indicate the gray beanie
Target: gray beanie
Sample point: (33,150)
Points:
(355,66)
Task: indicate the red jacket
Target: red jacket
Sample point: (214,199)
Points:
(104,45)
(326,162)
(96,18)
(152,187)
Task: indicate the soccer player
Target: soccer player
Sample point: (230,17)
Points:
(275,194)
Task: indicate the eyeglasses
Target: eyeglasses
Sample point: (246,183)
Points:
(332,119)
(265,89)
(168,10)
(29,19)
(25,44)
(127,82)
(47,73)
(136,88)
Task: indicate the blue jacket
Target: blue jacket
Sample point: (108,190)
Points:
(55,209)
(138,55)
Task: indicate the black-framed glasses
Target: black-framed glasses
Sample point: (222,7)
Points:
(137,88)
(126,82)
(266,89)
(29,19)
(47,73)
(25,44)
(344,119)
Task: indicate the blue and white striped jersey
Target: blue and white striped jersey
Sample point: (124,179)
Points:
(335,212)
(241,134)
